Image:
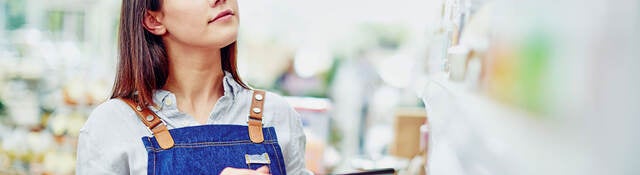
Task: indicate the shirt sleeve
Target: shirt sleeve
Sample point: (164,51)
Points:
(95,155)
(297,143)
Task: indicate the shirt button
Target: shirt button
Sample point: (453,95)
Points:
(168,102)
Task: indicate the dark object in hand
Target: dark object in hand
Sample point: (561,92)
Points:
(386,171)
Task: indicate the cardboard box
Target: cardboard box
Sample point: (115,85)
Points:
(407,124)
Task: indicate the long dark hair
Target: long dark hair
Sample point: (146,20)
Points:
(143,65)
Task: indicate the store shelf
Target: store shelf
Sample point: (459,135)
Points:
(475,134)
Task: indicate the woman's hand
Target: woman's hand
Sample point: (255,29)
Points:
(264,170)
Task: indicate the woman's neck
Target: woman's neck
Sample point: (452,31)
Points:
(195,77)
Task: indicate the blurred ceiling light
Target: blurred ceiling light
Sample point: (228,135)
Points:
(312,59)
(291,19)
(309,103)
(396,70)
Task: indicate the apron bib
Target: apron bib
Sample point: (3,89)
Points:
(208,149)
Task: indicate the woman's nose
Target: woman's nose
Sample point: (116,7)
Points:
(214,3)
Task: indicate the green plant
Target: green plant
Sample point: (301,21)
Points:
(3,110)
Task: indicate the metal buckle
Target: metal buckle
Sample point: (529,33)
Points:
(252,119)
(161,123)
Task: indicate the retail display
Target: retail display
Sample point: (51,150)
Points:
(45,95)
(516,87)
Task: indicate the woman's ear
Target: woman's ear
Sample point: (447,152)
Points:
(151,22)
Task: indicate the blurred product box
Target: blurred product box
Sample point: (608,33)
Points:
(315,115)
(407,125)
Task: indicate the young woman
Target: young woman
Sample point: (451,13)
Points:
(178,104)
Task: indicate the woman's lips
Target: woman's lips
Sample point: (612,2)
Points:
(221,15)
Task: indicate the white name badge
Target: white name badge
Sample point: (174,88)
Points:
(257,158)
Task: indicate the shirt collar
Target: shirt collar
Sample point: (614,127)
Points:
(231,89)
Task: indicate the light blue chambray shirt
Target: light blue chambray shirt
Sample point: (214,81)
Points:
(110,141)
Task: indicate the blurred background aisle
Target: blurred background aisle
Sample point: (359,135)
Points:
(509,86)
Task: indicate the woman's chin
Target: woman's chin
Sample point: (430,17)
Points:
(227,42)
(215,41)
(218,45)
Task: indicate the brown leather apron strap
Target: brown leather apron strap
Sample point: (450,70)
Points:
(255,116)
(153,123)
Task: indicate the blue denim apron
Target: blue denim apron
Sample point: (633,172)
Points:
(208,149)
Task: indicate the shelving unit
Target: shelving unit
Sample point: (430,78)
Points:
(552,93)
(475,134)
(52,73)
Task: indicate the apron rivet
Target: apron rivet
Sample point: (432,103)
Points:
(138,108)
(256,110)
(149,117)
(259,97)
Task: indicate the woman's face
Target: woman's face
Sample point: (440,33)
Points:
(200,23)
